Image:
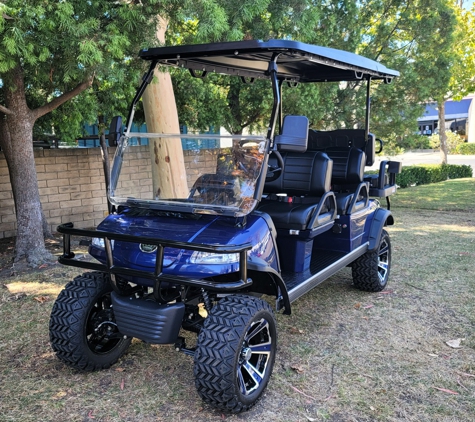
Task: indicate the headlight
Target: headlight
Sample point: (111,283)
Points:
(214,258)
(99,242)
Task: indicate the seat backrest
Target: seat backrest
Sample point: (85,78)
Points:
(344,138)
(348,165)
(308,173)
(294,136)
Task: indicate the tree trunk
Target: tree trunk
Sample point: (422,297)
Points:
(16,130)
(17,144)
(442,133)
(161,116)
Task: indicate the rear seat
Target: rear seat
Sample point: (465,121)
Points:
(300,201)
(338,145)
(351,191)
(346,147)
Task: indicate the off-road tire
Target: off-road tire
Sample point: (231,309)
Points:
(228,348)
(82,322)
(371,270)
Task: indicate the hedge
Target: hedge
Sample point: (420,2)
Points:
(466,149)
(423,175)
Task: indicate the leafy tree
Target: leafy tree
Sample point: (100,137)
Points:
(453,57)
(246,105)
(401,34)
(50,52)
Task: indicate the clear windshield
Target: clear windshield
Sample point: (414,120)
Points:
(201,174)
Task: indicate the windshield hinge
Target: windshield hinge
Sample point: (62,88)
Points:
(241,222)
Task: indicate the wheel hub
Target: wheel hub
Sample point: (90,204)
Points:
(103,322)
(246,354)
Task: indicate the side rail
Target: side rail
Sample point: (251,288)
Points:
(67,258)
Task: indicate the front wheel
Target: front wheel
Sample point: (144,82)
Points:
(82,327)
(371,270)
(235,353)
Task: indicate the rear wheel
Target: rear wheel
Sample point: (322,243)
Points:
(82,327)
(235,353)
(371,270)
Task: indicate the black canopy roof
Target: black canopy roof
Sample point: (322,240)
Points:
(296,61)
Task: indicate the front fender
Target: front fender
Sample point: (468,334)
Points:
(267,280)
(381,218)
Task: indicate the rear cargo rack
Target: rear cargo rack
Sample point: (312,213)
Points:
(67,258)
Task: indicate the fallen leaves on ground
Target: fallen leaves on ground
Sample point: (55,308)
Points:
(41,299)
(455,344)
(60,395)
(298,369)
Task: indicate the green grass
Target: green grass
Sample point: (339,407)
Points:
(343,355)
(452,195)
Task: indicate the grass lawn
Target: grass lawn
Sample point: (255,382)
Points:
(343,355)
(453,195)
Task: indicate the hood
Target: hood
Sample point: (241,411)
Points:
(205,229)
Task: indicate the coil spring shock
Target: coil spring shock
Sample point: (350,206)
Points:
(206,299)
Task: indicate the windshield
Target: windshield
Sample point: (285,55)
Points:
(201,174)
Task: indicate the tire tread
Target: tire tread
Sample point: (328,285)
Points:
(365,270)
(218,345)
(69,313)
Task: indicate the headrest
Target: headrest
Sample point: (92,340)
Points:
(294,136)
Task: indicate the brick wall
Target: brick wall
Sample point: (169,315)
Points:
(72,187)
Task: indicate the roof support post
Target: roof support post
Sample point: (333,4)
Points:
(368,106)
(281,111)
(276,90)
(147,78)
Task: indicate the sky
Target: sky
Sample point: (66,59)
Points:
(467,4)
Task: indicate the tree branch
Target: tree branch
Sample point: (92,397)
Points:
(390,34)
(5,110)
(41,111)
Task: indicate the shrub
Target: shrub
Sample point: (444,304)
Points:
(423,175)
(466,149)
(453,141)
(416,142)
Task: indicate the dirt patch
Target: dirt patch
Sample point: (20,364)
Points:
(54,246)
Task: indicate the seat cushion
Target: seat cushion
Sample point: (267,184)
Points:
(344,200)
(287,215)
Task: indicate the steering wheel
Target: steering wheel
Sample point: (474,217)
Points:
(274,171)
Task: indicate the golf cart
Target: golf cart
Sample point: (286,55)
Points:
(246,216)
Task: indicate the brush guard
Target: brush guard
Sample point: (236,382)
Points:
(68,258)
